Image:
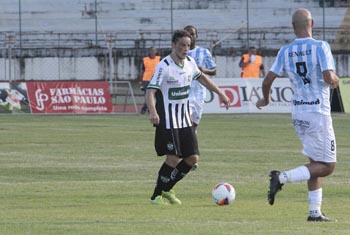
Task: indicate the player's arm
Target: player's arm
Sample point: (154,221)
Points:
(243,63)
(142,72)
(210,72)
(208,83)
(262,70)
(210,68)
(266,87)
(331,78)
(151,105)
(327,67)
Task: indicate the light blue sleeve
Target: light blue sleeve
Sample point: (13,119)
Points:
(325,57)
(210,64)
(278,65)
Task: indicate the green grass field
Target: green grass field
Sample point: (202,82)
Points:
(94,175)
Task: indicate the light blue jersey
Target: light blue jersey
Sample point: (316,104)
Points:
(303,61)
(204,59)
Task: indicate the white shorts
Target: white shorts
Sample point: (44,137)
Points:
(196,111)
(316,133)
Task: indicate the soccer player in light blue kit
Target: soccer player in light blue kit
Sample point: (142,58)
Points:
(206,65)
(310,67)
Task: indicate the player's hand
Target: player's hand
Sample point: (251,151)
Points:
(331,78)
(334,84)
(154,118)
(225,100)
(261,103)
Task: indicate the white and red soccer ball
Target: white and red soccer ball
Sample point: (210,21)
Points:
(223,194)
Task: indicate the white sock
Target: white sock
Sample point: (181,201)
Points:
(315,201)
(300,173)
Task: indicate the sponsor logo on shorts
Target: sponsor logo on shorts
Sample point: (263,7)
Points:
(301,123)
(170,146)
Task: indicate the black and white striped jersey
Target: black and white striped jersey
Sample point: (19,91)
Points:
(173,83)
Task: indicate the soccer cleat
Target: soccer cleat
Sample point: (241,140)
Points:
(171,197)
(275,186)
(159,201)
(321,218)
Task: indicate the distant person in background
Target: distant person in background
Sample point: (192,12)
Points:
(148,66)
(328,3)
(310,67)
(206,64)
(252,64)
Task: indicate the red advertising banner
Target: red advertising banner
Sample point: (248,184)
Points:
(69,97)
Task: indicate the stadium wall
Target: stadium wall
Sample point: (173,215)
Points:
(124,67)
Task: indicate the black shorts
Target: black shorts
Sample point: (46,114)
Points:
(180,142)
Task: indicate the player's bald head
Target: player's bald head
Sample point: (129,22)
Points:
(301,17)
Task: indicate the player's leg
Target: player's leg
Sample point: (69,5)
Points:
(322,165)
(279,178)
(315,201)
(312,172)
(169,143)
(144,89)
(315,196)
(318,170)
(190,156)
(164,145)
(305,128)
(189,153)
(164,178)
(178,173)
(181,170)
(317,136)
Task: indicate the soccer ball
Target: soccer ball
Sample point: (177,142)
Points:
(223,194)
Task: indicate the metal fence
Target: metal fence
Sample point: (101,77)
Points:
(55,64)
(85,40)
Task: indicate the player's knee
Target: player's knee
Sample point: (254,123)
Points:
(328,168)
(331,167)
(192,160)
(172,160)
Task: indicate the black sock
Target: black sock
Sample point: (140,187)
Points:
(162,180)
(177,174)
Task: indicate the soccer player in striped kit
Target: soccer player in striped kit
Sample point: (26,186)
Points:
(310,67)
(168,103)
(206,65)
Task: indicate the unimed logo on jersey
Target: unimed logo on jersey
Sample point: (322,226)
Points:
(179,93)
(232,92)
